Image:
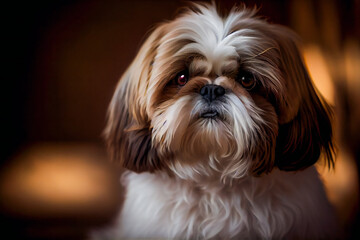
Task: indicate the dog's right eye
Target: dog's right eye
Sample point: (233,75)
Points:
(182,78)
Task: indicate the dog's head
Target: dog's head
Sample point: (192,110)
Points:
(209,94)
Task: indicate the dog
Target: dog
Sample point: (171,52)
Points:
(218,126)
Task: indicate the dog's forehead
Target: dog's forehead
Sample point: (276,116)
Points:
(203,66)
(221,42)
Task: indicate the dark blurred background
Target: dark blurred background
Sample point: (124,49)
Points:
(62,62)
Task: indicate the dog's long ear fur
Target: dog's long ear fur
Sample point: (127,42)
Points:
(305,129)
(127,133)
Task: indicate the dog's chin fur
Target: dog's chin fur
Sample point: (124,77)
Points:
(223,174)
(224,145)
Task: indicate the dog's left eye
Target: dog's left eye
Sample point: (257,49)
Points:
(247,80)
(182,78)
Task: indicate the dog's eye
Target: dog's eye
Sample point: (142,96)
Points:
(247,80)
(182,78)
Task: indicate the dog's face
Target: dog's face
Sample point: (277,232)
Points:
(218,95)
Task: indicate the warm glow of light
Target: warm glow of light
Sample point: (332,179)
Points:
(341,183)
(60,180)
(352,64)
(319,72)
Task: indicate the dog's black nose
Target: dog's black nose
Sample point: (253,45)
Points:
(211,91)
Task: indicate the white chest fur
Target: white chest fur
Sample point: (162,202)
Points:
(277,205)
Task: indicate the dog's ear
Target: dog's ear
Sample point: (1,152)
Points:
(127,133)
(305,129)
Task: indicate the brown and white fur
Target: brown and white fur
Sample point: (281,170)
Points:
(230,153)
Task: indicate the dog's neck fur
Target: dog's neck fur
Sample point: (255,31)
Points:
(161,206)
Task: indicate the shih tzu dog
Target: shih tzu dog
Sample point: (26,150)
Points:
(218,125)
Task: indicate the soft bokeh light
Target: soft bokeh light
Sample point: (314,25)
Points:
(328,71)
(60,184)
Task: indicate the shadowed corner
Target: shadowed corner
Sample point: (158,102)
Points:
(58,191)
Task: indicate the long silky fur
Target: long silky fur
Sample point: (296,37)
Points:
(246,174)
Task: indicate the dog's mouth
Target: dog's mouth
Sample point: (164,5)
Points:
(211,113)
